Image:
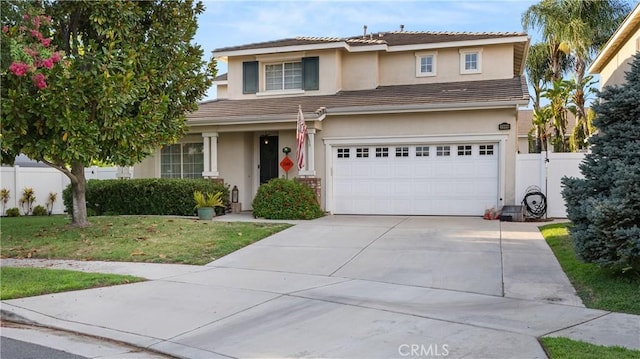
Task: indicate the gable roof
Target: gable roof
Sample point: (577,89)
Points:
(629,26)
(387,41)
(394,38)
(400,98)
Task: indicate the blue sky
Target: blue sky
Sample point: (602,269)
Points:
(230,23)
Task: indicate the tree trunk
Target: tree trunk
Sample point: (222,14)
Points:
(78,187)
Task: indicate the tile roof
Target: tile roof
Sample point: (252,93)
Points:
(392,38)
(284,108)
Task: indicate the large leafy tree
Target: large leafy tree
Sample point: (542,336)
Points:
(129,73)
(604,206)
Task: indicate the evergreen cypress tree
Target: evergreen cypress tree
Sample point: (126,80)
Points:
(605,206)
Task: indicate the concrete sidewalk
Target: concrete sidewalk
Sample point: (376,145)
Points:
(346,287)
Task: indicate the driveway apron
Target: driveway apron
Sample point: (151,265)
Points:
(349,287)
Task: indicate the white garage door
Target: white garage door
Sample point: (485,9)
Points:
(442,179)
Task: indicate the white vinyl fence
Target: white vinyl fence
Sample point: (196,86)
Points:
(546,170)
(44,180)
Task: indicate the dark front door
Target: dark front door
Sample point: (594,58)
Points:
(268,158)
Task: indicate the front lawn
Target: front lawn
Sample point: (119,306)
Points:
(598,288)
(129,238)
(27,282)
(563,348)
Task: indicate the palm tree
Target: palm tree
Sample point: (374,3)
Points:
(538,72)
(589,25)
(549,17)
(579,28)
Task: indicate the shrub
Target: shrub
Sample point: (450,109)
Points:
(40,211)
(27,199)
(604,206)
(13,212)
(285,199)
(145,196)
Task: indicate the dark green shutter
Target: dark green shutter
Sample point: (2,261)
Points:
(311,73)
(249,77)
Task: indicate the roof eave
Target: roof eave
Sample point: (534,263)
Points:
(277,49)
(357,110)
(464,43)
(429,107)
(629,25)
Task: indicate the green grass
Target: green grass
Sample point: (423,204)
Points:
(128,238)
(27,282)
(598,287)
(563,348)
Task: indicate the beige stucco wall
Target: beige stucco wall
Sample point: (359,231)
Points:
(399,68)
(148,167)
(221,92)
(341,70)
(359,71)
(329,73)
(238,156)
(613,72)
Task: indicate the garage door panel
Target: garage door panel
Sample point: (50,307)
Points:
(458,184)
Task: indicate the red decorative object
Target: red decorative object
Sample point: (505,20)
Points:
(286,164)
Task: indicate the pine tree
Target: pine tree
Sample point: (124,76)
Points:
(605,206)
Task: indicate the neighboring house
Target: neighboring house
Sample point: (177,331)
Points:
(399,122)
(616,56)
(525,124)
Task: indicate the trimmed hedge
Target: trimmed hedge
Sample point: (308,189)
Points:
(285,199)
(145,196)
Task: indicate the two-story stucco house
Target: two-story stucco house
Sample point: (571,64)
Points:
(399,122)
(616,56)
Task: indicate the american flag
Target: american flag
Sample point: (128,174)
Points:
(301,134)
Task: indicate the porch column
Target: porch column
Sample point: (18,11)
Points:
(210,154)
(310,169)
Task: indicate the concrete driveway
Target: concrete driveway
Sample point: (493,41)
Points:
(351,287)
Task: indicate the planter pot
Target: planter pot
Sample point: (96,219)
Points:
(206,213)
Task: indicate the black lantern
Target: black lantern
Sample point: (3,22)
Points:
(234,194)
(286,150)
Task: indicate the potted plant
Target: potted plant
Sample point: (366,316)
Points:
(206,203)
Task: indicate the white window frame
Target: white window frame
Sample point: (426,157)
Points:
(463,58)
(343,152)
(422,151)
(443,151)
(434,62)
(182,163)
(465,150)
(362,152)
(282,64)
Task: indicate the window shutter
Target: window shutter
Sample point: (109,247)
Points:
(311,73)
(249,77)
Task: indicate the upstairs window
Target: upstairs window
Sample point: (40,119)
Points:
(470,61)
(283,76)
(425,64)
